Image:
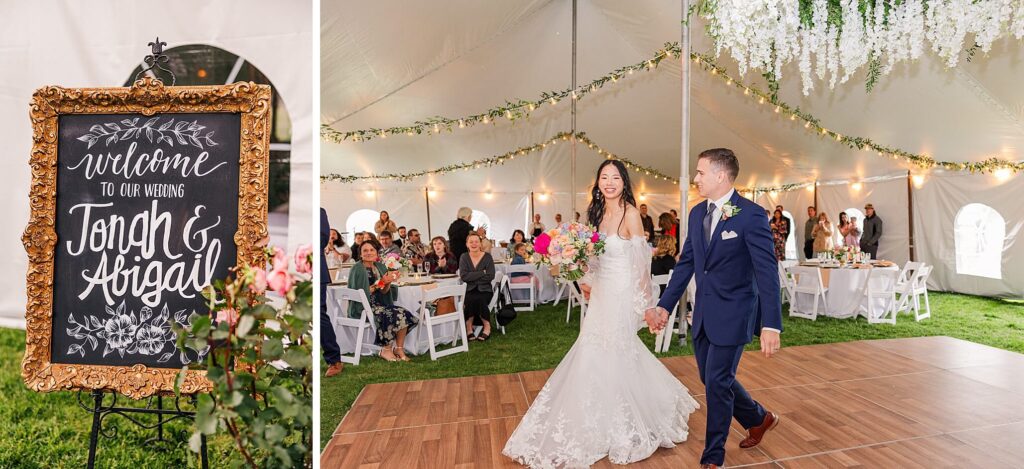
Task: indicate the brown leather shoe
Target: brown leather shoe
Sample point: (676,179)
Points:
(754,435)
(334,369)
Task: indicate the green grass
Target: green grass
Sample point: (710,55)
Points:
(538,340)
(50,430)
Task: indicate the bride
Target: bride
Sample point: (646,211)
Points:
(610,396)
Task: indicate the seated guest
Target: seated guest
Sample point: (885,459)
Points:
(440,259)
(401,239)
(517,237)
(664,256)
(414,249)
(336,252)
(393,322)
(520,256)
(476,268)
(384,224)
(357,240)
(387,245)
(822,234)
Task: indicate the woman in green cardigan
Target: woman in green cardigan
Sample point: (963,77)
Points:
(393,321)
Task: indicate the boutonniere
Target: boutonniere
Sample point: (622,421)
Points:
(729,210)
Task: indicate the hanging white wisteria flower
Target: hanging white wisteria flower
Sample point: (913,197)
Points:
(836,38)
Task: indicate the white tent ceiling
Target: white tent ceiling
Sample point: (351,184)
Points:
(390,63)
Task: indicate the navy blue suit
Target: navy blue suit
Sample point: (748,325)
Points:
(737,294)
(328,340)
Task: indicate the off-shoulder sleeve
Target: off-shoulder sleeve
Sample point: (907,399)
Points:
(640,277)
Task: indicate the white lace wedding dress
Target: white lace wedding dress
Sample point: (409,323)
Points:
(610,396)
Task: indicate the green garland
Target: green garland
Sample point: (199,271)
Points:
(511,110)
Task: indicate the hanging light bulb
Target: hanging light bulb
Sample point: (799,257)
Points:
(508,114)
(462,123)
(437,128)
(486,120)
(807,124)
(777,109)
(532,107)
(554,101)
(792,117)
(383,135)
(746,91)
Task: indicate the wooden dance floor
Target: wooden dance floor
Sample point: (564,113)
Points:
(923,402)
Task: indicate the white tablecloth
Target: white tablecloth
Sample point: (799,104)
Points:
(546,290)
(416,343)
(845,293)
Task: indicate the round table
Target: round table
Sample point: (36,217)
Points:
(845,295)
(409,297)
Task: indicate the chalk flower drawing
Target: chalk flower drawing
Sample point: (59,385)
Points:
(184,132)
(142,333)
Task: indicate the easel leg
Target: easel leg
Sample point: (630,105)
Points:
(160,419)
(202,452)
(95,433)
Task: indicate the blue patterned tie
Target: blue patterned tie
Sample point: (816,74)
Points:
(707,223)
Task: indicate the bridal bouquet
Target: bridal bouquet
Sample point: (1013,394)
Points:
(394,263)
(567,248)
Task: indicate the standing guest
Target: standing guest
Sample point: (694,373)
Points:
(872,232)
(648,223)
(812,221)
(384,224)
(402,237)
(675,217)
(336,252)
(848,230)
(517,237)
(459,230)
(558,219)
(357,239)
(668,226)
(577,219)
(328,340)
(393,322)
(414,249)
(537,227)
(440,259)
(780,231)
(476,268)
(387,245)
(822,234)
(789,223)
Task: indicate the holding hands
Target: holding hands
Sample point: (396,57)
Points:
(656,319)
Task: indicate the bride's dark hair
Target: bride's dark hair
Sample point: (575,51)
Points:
(595,212)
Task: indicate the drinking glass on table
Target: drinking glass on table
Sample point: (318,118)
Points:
(427,265)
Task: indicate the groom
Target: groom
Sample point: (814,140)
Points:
(729,247)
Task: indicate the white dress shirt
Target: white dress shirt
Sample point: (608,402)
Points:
(716,216)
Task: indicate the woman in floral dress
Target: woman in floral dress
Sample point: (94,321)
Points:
(780,231)
(393,321)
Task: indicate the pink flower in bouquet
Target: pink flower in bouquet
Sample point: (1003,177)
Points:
(280,280)
(303,262)
(259,281)
(280,260)
(228,315)
(596,237)
(569,251)
(540,245)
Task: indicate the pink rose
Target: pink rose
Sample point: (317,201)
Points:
(228,315)
(595,238)
(303,261)
(280,281)
(540,245)
(259,281)
(280,260)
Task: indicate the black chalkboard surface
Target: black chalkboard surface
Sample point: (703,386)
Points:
(146,213)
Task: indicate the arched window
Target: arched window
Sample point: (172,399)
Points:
(481,219)
(360,220)
(978,236)
(201,64)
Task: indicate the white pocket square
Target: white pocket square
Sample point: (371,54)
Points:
(728,235)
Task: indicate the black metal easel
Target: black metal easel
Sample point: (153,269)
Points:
(154,406)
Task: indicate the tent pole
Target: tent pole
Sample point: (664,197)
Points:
(910,214)
(426,198)
(572,182)
(684,147)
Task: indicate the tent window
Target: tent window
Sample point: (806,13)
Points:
(481,219)
(978,236)
(360,220)
(791,238)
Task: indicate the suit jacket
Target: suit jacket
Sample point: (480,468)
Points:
(458,231)
(737,278)
(325,237)
(872,232)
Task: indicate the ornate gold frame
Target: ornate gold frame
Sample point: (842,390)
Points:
(146,96)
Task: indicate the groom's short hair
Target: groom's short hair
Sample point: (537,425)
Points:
(724,159)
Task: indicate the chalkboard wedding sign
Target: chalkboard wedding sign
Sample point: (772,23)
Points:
(140,197)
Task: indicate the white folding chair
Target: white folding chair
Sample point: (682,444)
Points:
(907,274)
(496,288)
(340,298)
(881,285)
(664,338)
(914,290)
(458,293)
(530,286)
(576,298)
(807,280)
(788,285)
